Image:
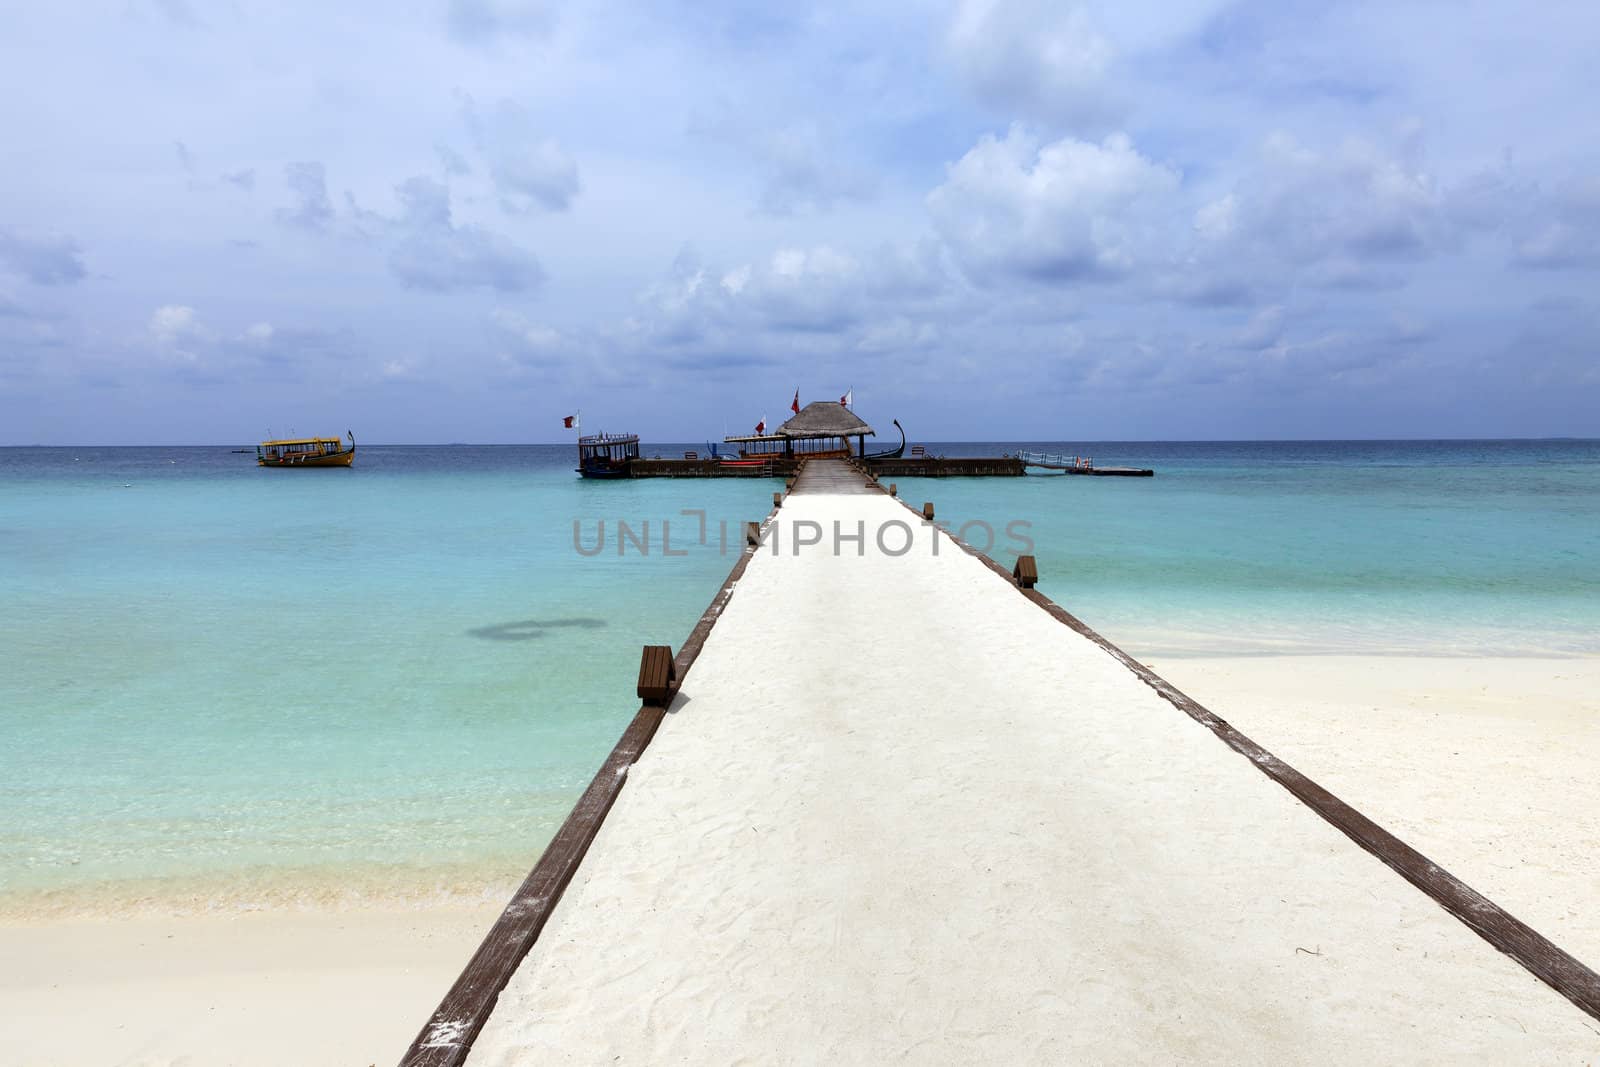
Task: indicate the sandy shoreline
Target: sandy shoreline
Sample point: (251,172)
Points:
(257,989)
(1484,765)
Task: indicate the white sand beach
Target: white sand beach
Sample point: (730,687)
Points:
(941,827)
(1486,766)
(259,989)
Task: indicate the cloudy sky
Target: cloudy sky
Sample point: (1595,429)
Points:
(461,220)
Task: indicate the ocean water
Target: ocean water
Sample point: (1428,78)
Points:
(235,687)
(1370,547)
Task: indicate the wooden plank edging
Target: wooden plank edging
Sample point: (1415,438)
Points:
(446,1039)
(1541,957)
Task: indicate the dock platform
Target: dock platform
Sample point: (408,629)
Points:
(900,809)
(779,467)
(709,467)
(946,467)
(1081,465)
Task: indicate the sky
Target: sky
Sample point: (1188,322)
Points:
(461,220)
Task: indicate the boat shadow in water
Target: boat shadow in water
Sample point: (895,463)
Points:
(533,629)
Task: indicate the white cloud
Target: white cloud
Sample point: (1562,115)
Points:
(480,22)
(1045,61)
(530,170)
(898,334)
(530,335)
(44,259)
(1354,201)
(433,252)
(806,289)
(803,289)
(805,172)
(1263,330)
(1057,212)
(1562,229)
(820,300)
(535,173)
(1217,220)
(312,209)
(736,279)
(180,337)
(172,323)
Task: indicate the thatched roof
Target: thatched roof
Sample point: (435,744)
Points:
(825,418)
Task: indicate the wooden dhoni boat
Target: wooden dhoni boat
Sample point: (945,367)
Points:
(306,452)
(891,453)
(607,455)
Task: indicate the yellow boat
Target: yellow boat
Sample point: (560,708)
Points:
(306,452)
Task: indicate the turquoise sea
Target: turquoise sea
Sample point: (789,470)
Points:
(234,687)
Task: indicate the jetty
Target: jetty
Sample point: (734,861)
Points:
(778,466)
(890,801)
(821,430)
(1064,464)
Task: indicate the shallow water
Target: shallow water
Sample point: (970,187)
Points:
(213,669)
(229,684)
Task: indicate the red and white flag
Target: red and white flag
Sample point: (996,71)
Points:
(795,407)
(845,400)
(761,427)
(569,421)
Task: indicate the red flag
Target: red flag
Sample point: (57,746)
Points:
(845,400)
(566,420)
(795,407)
(761,427)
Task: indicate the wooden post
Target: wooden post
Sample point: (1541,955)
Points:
(752,533)
(777,500)
(656,675)
(927,510)
(1026,572)
(894,489)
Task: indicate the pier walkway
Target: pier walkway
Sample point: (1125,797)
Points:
(897,812)
(1064,464)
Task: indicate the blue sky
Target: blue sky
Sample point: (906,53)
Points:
(459,221)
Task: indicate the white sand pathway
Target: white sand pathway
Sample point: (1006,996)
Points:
(901,814)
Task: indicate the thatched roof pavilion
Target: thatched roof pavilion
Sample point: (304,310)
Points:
(823,427)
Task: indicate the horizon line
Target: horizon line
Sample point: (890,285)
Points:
(925,441)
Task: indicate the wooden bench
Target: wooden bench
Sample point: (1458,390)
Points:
(918,452)
(657,672)
(1026,572)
